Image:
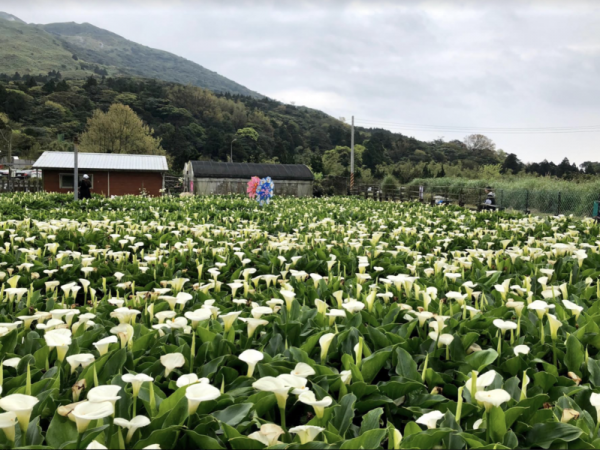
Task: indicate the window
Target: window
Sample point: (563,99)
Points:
(66,180)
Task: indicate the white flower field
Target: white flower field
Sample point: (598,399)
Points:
(341,323)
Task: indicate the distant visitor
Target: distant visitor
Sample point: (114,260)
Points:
(84,187)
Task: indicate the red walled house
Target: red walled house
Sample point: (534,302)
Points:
(110,173)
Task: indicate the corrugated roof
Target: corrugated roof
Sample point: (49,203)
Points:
(210,169)
(102,161)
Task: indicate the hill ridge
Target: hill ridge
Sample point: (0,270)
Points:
(80,49)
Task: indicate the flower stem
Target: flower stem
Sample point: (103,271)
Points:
(282,414)
(78,445)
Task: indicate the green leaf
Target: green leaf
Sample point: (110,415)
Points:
(244,443)
(512,414)
(34,432)
(406,366)
(204,441)
(234,414)
(411,428)
(497,424)
(574,356)
(60,430)
(166,438)
(344,414)
(371,420)
(425,439)
(373,364)
(369,440)
(169,403)
(594,369)
(480,360)
(545,434)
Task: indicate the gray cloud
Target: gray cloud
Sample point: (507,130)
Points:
(461,63)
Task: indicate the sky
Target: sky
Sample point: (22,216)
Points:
(525,73)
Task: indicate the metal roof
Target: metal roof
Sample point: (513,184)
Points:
(102,161)
(210,169)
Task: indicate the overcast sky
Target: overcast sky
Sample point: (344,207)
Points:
(460,66)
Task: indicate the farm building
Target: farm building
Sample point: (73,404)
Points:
(110,173)
(207,177)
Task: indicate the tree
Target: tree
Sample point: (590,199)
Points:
(242,135)
(119,130)
(441,173)
(512,163)
(6,135)
(375,153)
(90,83)
(479,142)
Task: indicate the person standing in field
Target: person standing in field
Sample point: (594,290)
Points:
(490,200)
(84,187)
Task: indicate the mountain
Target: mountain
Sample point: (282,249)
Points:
(10,17)
(78,50)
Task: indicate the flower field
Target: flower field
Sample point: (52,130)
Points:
(339,323)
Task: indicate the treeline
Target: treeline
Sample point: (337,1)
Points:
(47,112)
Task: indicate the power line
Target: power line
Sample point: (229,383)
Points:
(489,130)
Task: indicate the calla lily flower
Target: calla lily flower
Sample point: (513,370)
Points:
(275,385)
(521,350)
(594,401)
(325,342)
(575,309)
(253,324)
(504,325)
(85,412)
(8,420)
(259,311)
(430,419)
(132,425)
(296,384)
(268,434)
(82,359)
(303,370)
(136,381)
(555,324)
(306,433)
(172,361)
(124,332)
(482,381)
(319,406)
(190,378)
(102,344)
(495,397)
(200,392)
(251,357)
(61,339)
(21,405)
(105,393)
(229,319)
(95,445)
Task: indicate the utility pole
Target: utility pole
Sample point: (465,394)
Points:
(352,156)
(75,173)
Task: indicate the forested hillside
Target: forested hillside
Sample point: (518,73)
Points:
(48,112)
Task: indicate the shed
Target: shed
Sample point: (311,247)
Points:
(110,173)
(208,177)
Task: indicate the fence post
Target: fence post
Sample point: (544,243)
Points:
(526,201)
(558,205)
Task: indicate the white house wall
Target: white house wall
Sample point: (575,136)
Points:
(211,186)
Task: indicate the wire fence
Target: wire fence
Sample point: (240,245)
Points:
(546,202)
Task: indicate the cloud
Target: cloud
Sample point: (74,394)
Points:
(462,63)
